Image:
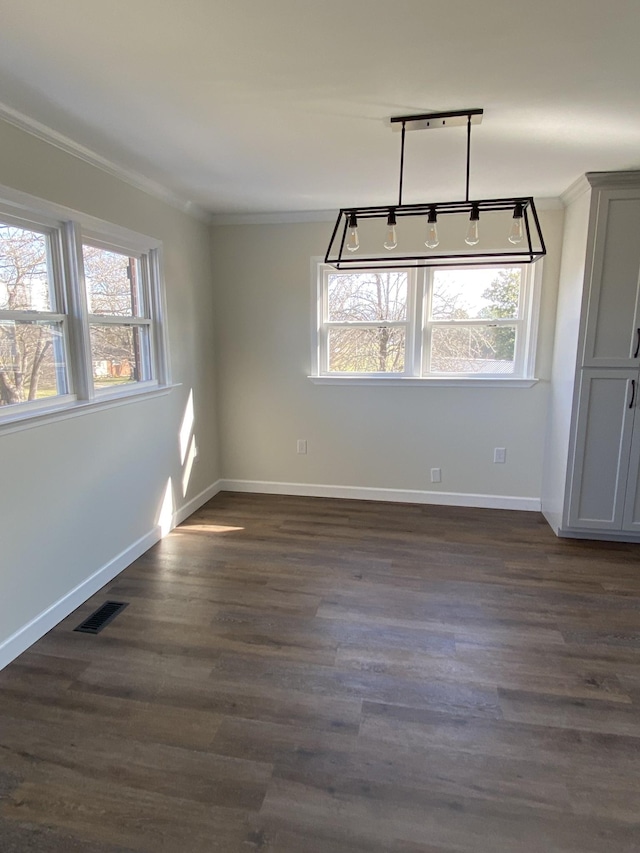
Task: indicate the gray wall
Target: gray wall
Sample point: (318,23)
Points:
(358,436)
(78,492)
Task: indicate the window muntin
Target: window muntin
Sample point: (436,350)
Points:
(440,323)
(366,322)
(81,311)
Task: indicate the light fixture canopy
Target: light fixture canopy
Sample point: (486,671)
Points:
(524,242)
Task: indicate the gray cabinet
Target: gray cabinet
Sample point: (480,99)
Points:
(613,312)
(594,426)
(604,433)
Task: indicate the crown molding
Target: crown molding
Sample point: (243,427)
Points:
(153,188)
(600,181)
(614,180)
(128,176)
(573,192)
(291,217)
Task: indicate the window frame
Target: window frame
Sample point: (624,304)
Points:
(58,314)
(133,320)
(420,326)
(67,231)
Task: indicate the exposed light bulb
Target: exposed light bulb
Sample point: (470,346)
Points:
(473,236)
(432,240)
(353,241)
(516,234)
(392,239)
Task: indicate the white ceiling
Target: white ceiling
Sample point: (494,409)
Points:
(246,106)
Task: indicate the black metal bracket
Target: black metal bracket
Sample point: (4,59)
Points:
(427,121)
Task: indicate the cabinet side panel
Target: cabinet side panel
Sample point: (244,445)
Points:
(631,519)
(563,374)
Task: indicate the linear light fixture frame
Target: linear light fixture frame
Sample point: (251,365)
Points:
(533,249)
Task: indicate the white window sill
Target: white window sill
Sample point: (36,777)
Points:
(444,382)
(23,419)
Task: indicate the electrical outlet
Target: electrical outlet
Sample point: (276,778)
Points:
(500,454)
(302,445)
(436,475)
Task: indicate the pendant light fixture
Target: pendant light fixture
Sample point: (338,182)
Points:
(467,242)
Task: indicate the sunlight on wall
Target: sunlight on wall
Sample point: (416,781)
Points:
(188,446)
(165,516)
(188,465)
(186,427)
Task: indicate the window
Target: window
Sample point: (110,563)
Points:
(33,320)
(367,322)
(119,320)
(467,323)
(77,326)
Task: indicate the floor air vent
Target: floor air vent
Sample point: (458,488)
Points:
(103,615)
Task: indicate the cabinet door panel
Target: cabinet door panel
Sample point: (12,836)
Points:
(612,336)
(603,441)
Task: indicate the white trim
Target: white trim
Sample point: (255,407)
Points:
(32,209)
(445,382)
(600,180)
(30,633)
(159,191)
(27,419)
(573,192)
(128,176)
(195,503)
(49,618)
(419,327)
(366,493)
(69,230)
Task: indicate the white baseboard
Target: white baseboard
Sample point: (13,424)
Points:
(363,493)
(26,636)
(189,508)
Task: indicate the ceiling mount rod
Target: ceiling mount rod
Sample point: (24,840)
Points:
(404,130)
(468,154)
(427,121)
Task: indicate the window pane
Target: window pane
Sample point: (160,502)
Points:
(31,361)
(367,350)
(477,349)
(24,274)
(476,294)
(113,283)
(369,297)
(119,354)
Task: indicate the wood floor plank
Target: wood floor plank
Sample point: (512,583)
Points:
(308,675)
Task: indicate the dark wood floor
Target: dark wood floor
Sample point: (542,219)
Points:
(300,675)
